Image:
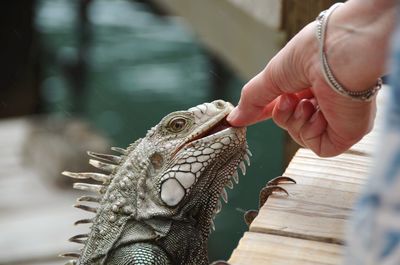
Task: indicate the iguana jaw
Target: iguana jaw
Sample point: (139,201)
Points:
(195,160)
(213,126)
(216,128)
(224,175)
(210,145)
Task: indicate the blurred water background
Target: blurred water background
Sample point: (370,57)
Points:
(122,67)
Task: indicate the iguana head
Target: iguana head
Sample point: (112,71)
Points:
(189,151)
(177,171)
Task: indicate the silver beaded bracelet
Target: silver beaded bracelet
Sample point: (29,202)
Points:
(365,95)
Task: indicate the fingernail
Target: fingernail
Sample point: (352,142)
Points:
(298,112)
(284,103)
(232,115)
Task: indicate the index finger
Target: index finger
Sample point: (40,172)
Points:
(256,103)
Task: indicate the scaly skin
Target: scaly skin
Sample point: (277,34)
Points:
(158,203)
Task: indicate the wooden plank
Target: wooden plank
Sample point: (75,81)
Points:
(298,13)
(301,216)
(40,234)
(321,201)
(261,249)
(368,145)
(36,220)
(36,216)
(233,30)
(347,167)
(268,12)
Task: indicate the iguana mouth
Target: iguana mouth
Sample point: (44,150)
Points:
(222,125)
(217,127)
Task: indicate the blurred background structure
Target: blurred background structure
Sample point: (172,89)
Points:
(79,75)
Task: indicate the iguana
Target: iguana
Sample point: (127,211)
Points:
(157,204)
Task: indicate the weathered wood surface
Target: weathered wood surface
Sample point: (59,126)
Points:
(321,201)
(309,225)
(35,217)
(244,34)
(258,248)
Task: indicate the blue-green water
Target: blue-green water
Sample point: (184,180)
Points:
(140,67)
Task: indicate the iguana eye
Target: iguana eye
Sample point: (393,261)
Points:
(177,124)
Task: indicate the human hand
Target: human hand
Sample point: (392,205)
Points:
(293,91)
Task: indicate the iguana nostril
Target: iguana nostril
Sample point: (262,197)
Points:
(219,104)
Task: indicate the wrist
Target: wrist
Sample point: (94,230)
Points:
(356,43)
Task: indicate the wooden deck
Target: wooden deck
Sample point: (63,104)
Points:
(245,35)
(35,215)
(309,225)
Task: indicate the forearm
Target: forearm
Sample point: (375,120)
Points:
(357,41)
